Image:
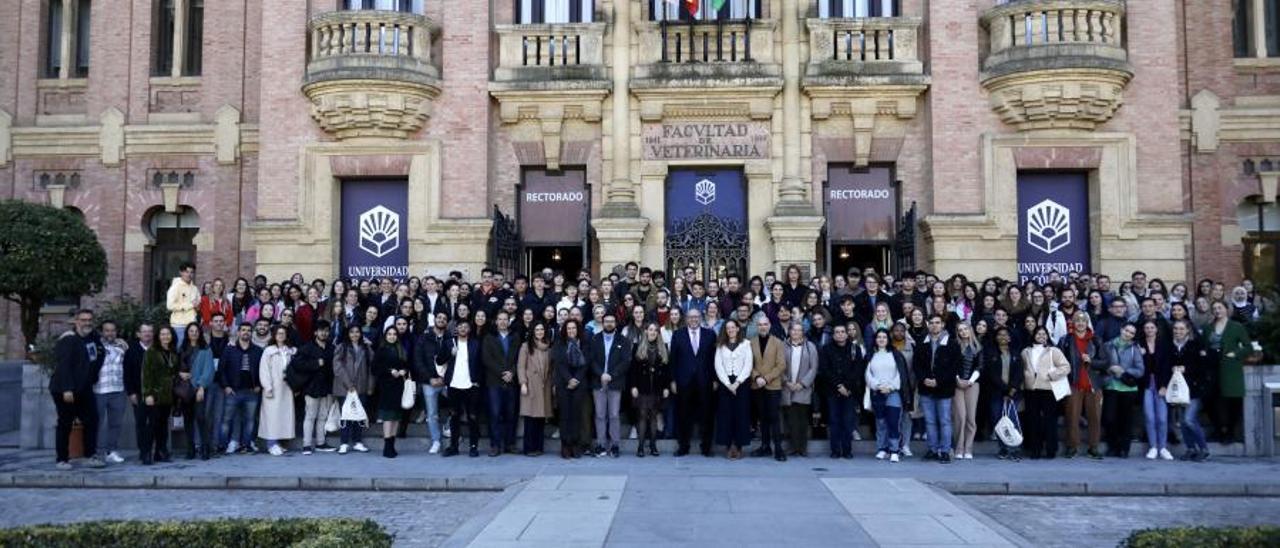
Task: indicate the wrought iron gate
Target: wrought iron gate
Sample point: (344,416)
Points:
(504,244)
(706,223)
(904,247)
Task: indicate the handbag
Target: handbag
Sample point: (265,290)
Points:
(176,423)
(1177,393)
(410,392)
(1008,428)
(183,391)
(353,411)
(333,421)
(1061,388)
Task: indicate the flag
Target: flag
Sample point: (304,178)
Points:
(692,7)
(695,6)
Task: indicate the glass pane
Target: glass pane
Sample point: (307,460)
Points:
(1240,29)
(1271,217)
(163,64)
(82,39)
(195,39)
(1273,39)
(53,47)
(1260,263)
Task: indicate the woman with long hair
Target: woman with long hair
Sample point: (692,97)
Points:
(160,365)
(1228,344)
(533,367)
(571,368)
(276,413)
(886,372)
(650,381)
(964,406)
(391,368)
(1043,364)
(733,363)
(1155,380)
(351,378)
(193,398)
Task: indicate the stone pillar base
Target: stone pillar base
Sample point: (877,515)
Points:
(795,241)
(619,239)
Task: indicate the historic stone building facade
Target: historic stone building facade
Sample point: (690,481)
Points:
(385,136)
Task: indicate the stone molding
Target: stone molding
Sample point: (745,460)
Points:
(113,142)
(868,107)
(390,109)
(1209,123)
(549,110)
(1076,98)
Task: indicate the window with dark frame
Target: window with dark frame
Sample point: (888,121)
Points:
(53,42)
(1255,29)
(662,10)
(66,40)
(170,16)
(533,12)
(404,6)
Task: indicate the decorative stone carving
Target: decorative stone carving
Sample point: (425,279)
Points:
(226,135)
(111,137)
(870,107)
(1205,121)
(550,110)
(370,108)
(1057,99)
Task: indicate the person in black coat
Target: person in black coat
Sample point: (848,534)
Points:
(1002,375)
(840,364)
(314,362)
(936,363)
(693,354)
(610,357)
(650,384)
(462,385)
(391,369)
(133,380)
(79,354)
(500,352)
(571,368)
(1156,374)
(1188,356)
(428,375)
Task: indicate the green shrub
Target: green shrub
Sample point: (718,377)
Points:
(222,533)
(129,313)
(1204,537)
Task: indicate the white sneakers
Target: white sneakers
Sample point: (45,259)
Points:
(1165,454)
(63,465)
(906,451)
(435,447)
(1152,453)
(276,451)
(360,448)
(232,448)
(114,458)
(967,456)
(880,455)
(893,457)
(342,449)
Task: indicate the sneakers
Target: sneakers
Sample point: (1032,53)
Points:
(114,458)
(1152,453)
(360,448)
(906,451)
(599,452)
(63,465)
(306,450)
(967,456)
(94,462)
(880,455)
(325,448)
(1165,454)
(893,457)
(944,458)
(342,449)
(276,451)
(435,448)
(232,448)
(857,436)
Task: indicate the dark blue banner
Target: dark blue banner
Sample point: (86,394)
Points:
(1053,225)
(375,241)
(719,192)
(707,222)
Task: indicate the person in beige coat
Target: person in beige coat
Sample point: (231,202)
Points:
(801,358)
(766,384)
(275,416)
(533,368)
(1044,364)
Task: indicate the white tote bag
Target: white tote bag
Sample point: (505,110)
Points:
(332,422)
(410,392)
(352,411)
(1178,392)
(1061,388)
(1008,429)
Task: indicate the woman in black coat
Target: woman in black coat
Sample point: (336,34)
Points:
(1155,380)
(570,363)
(1188,356)
(391,368)
(1003,375)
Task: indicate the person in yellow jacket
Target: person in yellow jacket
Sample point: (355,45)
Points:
(183,299)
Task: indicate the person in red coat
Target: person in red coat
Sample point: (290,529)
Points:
(215,301)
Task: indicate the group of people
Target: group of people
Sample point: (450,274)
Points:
(938,360)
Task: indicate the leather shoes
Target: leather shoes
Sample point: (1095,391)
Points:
(762,451)
(475,452)
(682,451)
(450,452)
(780,456)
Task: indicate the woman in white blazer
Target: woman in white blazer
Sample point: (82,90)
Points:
(733,404)
(275,415)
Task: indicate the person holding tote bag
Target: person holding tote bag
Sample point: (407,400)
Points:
(1003,374)
(1187,356)
(351,379)
(1043,365)
(391,367)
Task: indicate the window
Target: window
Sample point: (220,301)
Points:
(857,8)
(66,44)
(406,6)
(179,38)
(664,10)
(554,11)
(1256,28)
(1261,225)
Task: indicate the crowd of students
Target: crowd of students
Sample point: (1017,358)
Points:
(733,361)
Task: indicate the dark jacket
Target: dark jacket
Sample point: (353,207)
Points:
(1099,359)
(229,366)
(842,365)
(688,368)
(79,360)
(991,372)
(619,361)
(650,375)
(497,360)
(564,369)
(942,368)
(444,356)
(159,368)
(1156,364)
(133,368)
(390,389)
(316,365)
(1192,357)
(424,355)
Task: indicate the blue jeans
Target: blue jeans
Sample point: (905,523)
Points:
(1156,412)
(888,410)
(937,423)
(840,423)
(215,408)
(240,417)
(502,416)
(431,395)
(1192,432)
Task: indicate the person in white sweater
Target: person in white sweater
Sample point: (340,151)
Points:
(733,405)
(886,368)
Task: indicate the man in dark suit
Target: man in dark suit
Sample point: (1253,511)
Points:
(610,355)
(133,383)
(499,353)
(462,385)
(692,358)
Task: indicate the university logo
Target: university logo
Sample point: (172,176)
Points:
(379,231)
(1048,226)
(704,192)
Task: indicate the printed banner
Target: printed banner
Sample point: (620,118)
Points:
(553,206)
(375,241)
(1053,225)
(862,204)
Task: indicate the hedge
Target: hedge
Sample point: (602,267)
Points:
(1204,537)
(221,533)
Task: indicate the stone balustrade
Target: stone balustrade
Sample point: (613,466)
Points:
(1027,33)
(860,47)
(540,54)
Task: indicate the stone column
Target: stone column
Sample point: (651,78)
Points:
(619,226)
(795,226)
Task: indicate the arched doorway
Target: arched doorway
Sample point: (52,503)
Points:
(172,237)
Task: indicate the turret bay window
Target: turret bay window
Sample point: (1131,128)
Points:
(829,9)
(403,6)
(554,11)
(66,43)
(703,10)
(178,38)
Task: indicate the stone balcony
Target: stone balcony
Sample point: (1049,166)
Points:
(864,51)
(370,73)
(703,54)
(560,56)
(1056,64)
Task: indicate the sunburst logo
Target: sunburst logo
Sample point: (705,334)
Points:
(1048,226)
(379,231)
(704,192)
